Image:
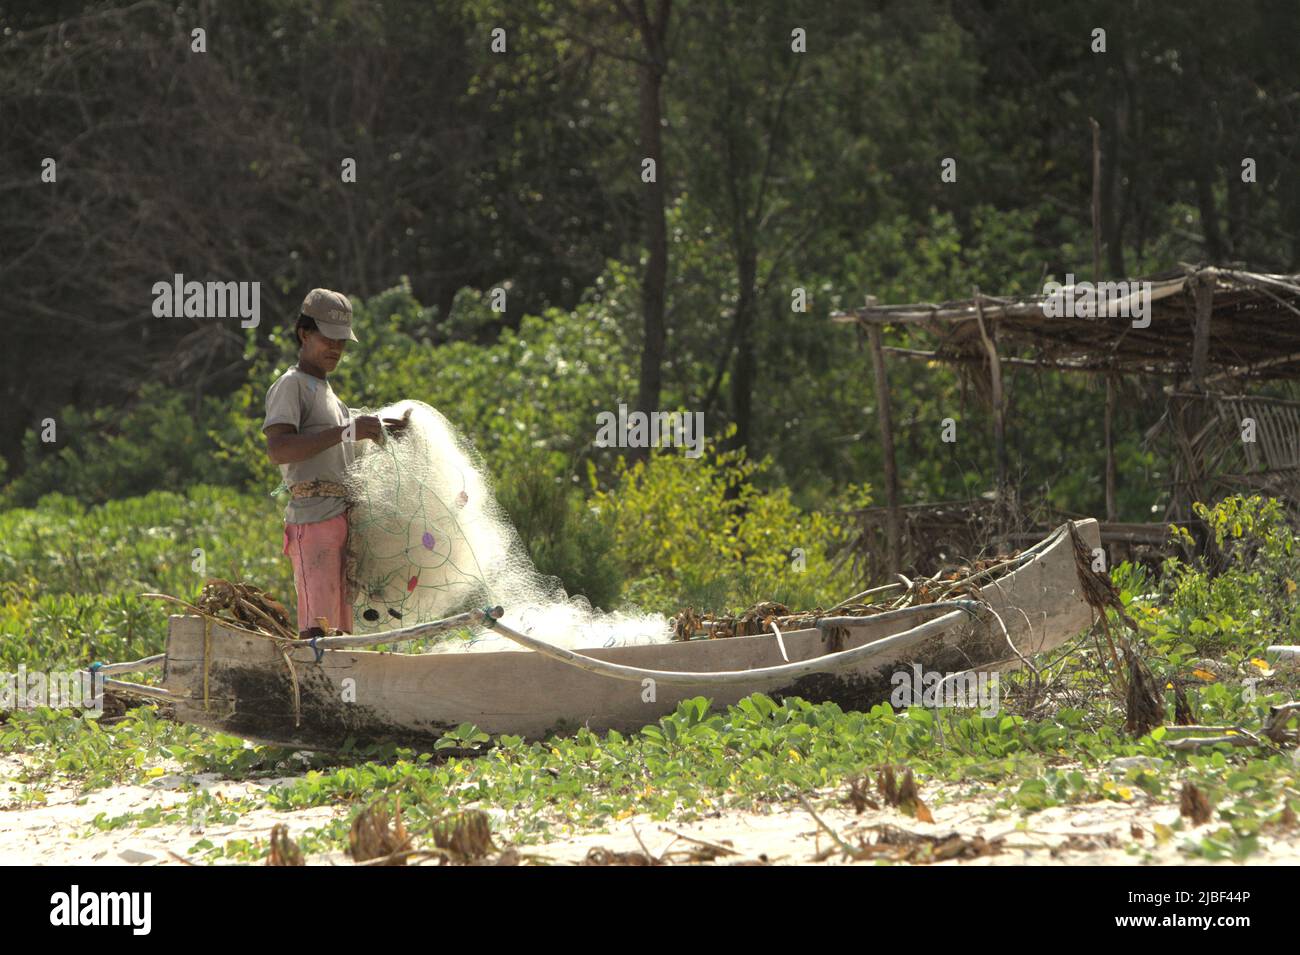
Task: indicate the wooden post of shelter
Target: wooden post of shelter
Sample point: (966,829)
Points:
(1202,289)
(999,417)
(1112,505)
(1096,201)
(894,516)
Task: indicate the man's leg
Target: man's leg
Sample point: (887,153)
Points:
(341,615)
(318,552)
(293,547)
(324,547)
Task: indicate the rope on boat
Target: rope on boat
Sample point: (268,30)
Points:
(293,677)
(207,660)
(829,661)
(470,618)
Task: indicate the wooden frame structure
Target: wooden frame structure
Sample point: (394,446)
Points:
(1205,331)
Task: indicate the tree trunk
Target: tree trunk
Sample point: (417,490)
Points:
(1208,209)
(1115,208)
(1203,171)
(745,368)
(1238,217)
(655,279)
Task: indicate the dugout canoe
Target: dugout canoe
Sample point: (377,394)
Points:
(240,683)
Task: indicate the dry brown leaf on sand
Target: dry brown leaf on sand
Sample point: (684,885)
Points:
(904,796)
(466,835)
(284,851)
(909,800)
(1194,804)
(901,845)
(374,835)
(599,855)
(859,796)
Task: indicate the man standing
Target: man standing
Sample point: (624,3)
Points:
(312,435)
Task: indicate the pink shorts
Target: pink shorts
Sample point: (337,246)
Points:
(318,552)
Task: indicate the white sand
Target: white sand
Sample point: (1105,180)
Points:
(1085,834)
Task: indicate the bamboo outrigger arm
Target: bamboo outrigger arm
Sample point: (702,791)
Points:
(104,670)
(135,666)
(141,689)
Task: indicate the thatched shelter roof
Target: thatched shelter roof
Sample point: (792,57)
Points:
(1253,327)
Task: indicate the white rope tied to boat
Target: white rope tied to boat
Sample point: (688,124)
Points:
(826,662)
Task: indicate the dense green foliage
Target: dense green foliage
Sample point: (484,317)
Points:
(71,575)
(519,172)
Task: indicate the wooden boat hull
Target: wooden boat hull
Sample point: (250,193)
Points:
(413,699)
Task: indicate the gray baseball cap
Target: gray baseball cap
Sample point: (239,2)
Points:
(332,312)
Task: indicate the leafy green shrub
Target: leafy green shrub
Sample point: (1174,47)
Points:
(1250,603)
(700,531)
(159,442)
(1204,623)
(71,575)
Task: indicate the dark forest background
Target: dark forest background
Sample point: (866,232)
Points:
(522,170)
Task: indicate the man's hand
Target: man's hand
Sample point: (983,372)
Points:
(398,425)
(369,427)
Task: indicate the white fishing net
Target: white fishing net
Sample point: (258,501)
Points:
(428,539)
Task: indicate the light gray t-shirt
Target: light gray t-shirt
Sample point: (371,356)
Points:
(310,405)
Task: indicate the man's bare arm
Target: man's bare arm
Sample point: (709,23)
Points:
(284,445)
